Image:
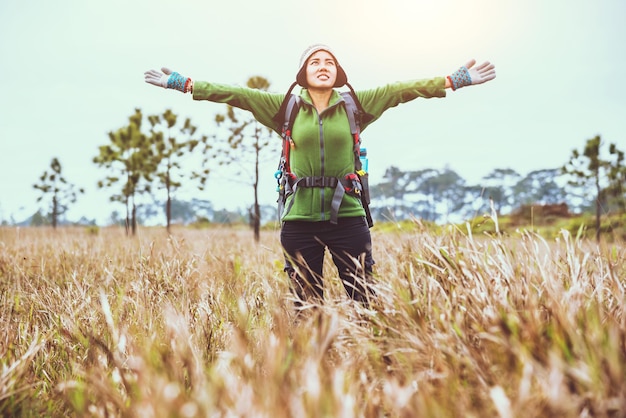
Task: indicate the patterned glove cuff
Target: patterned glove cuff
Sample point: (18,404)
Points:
(177,82)
(460,78)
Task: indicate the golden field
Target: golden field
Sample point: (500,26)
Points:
(200,324)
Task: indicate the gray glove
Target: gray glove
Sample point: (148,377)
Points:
(168,79)
(469,75)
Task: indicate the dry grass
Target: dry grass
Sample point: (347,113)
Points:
(200,324)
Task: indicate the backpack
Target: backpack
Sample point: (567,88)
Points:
(355,184)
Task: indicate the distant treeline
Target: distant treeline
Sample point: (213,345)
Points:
(152,157)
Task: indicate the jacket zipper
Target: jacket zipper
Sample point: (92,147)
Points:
(323,169)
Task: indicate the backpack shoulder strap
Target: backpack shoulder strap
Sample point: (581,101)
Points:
(352,109)
(292,105)
(356,115)
(283,115)
(284,119)
(291,110)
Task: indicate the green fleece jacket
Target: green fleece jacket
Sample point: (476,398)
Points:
(323,142)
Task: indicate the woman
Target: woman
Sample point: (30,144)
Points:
(323,148)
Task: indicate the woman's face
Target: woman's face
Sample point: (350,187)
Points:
(321,71)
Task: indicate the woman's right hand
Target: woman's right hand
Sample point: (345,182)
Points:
(168,79)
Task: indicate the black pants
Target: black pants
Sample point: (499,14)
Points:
(350,245)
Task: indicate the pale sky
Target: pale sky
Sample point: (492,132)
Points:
(72,70)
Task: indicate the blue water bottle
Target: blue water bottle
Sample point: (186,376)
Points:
(363,158)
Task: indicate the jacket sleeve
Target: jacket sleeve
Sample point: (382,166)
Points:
(263,105)
(376,101)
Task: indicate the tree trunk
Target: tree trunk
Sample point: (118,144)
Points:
(55,210)
(168,204)
(134,219)
(127,221)
(256,218)
(256,214)
(598,206)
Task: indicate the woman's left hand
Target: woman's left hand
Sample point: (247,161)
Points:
(482,73)
(468,75)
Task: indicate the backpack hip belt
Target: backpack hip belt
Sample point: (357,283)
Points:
(350,184)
